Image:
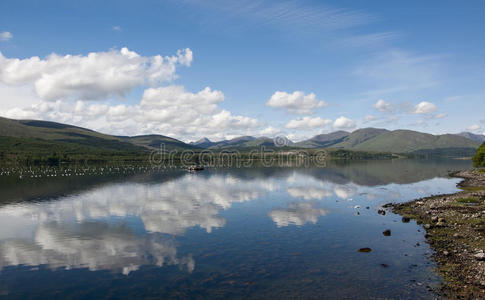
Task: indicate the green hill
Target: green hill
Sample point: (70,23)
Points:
(397,141)
(154,142)
(408,141)
(474,137)
(235,142)
(43,141)
(62,134)
(57,132)
(323,140)
(360,136)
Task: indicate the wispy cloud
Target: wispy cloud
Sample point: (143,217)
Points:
(287,14)
(474,127)
(117,28)
(5,36)
(436,116)
(367,40)
(396,71)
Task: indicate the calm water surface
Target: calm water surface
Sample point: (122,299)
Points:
(220,233)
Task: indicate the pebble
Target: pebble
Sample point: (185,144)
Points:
(480,256)
(387,232)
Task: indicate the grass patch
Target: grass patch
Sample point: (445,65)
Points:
(468,200)
(472,188)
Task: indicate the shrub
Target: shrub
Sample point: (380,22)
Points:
(479,158)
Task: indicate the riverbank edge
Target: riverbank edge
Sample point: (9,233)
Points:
(455,231)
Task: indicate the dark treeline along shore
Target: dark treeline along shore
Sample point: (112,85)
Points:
(32,142)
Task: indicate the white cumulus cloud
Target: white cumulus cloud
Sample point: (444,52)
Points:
(93,76)
(343,123)
(169,110)
(307,123)
(424,108)
(61,87)
(383,106)
(297,102)
(269,131)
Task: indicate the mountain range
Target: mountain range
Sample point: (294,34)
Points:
(34,135)
(366,139)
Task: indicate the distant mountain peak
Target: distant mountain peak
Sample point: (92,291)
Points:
(203,140)
(472,136)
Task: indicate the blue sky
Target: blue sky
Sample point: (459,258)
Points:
(421,61)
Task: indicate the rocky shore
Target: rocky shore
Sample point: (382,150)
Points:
(455,230)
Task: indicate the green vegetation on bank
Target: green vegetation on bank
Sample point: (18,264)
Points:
(31,151)
(479,158)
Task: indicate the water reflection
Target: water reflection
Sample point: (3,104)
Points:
(163,220)
(297,214)
(71,231)
(92,245)
(169,208)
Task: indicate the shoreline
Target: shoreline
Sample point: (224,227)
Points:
(455,230)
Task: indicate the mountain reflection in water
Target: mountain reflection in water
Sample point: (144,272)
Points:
(122,224)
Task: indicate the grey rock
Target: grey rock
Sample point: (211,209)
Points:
(480,256)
